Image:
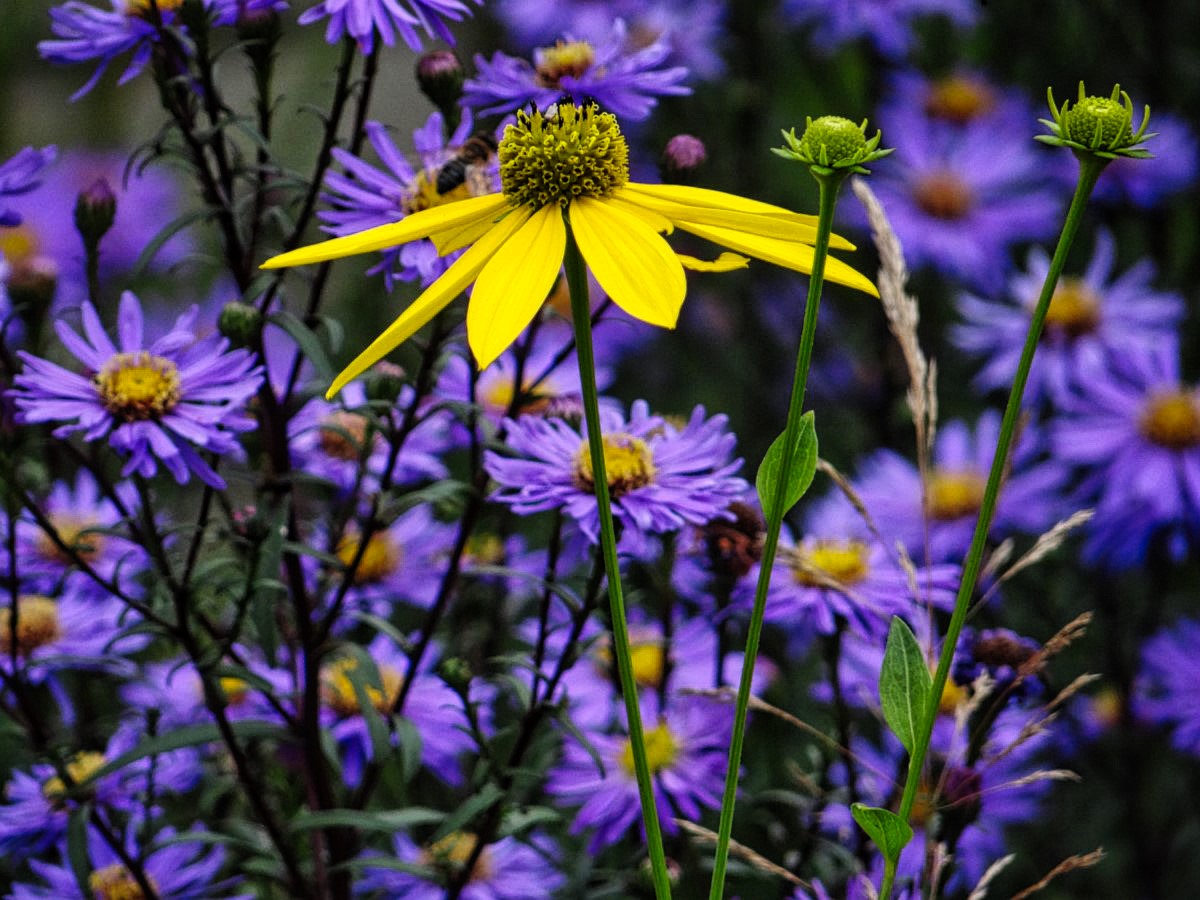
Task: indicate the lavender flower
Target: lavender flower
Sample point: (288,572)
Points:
(1167,689)
(622,80)
(160,403)
(886,24)
(1133,431)
(364,19)
(963,97)
(661,476)
(1091,321)
(367,196)
(18,175)
(1000,654)
(1176,163)
(173,689)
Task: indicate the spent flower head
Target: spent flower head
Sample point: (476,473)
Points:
(1101,126)
(832,144)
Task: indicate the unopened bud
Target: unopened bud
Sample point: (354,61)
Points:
(384,381)
(95,211)
(241,323)
(683,155)
(440,76)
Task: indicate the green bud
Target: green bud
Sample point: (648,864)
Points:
(1101,126)
(440,76)
(832,144)
(384,381)
(455,672)
(241,323)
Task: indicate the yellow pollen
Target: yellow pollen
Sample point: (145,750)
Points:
(566,58)
(142,8)
(959,100)
(80,768)
(451,853)
(343,435)
(954,493)
(498,397)
(628,463)
(649,662)
(37,624)
(18,245)
(116,883)
(661,750)
(1074,309)
(952,695)
(76,534)
(485,549)
(943,195)
(1171,419)
(338,689)
(381,558)
(235,689)
(815,563)
(138,386)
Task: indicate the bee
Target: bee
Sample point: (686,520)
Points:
(471,157)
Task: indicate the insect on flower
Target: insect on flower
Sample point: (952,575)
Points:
(469,165)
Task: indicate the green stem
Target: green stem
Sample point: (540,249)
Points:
(1089,170)
(829,187)
(581,315)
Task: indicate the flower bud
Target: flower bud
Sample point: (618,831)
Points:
(95,212)
(832,144)
(440,76)
(241,323)
(1099,126)
(682,156)
(384,381)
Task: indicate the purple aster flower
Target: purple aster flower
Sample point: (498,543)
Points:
(958,198)
(1167,689)
(162,403)
(662,476)
(686,753)
(1030,498)
(364,19)
(21,174)
(1176,162)
(622,79)
(1133,430)
(234,12)
(962,97)
(1092,320)
(887,24)
(366,196)
(1000,654)
(507,869)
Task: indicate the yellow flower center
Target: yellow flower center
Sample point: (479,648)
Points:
(498,396)
(381,557)
(485,550)
(649,660)
(959,100)
(1171,419)
(116,883)
(138,386)
(343,435)
(37,624)
(1107,706)
(628,463)
(943,195)
(235,689)
(952,695)
(142,8)
(845,561)
(954,493)
(1074,309)
(577,152)
(571,58)
(74,532)
(422,192)
(81,767)
(661,750)
(18,245)
(338,689)
(451,853)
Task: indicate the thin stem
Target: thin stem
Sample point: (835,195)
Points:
(1089,170)
(581,316)
(829,186)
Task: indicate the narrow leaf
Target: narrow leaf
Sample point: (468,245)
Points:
(904,684)
(803,467)
(890,833)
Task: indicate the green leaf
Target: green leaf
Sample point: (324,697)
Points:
(389,820)
(309,341)
(904,684)
(890,833)
(475,804)
(803,467)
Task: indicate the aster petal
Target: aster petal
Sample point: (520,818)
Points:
(129,323)
(789,254)
(426,223)
(513,285)
(435,297)
(632,262)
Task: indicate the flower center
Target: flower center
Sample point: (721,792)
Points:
(845,561)
(138,386)
(18,245)
(142,8)
(952,695)
(37,624)
(116,883)
(77,535)
(451,853)
(343,435)
(566,58)
(576,152)
(944,195)
(236,690)
(661,750)
(954,493)
(380,558)
(959,100)
(422,192)
(338,688)
(628,463)
(485,550)
(1074,309)
(1172,419)
(498,397)
(649,660)
(80,768)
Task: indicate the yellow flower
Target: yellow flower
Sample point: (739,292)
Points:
(570,170)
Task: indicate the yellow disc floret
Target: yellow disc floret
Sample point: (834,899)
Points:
(138,386)
(76,534)
(452,852)
(1171,419)
(1074,309)
(80,767)
(380,558)
(954,493)
(662,749)
(116,883)
(37,624)
(959,99)
(576,152)
(814,563)
(628,463)
(338,690)
(566,58)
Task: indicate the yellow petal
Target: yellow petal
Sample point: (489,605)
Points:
(784,225)
(421,224)
(654,219)
(634,265)
(788,254)
(726,262)
(459,237)
(433,300)
(513,285)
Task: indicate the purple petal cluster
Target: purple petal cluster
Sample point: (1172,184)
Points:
(20,174)
(363,20)
(1167,690)
(886,24)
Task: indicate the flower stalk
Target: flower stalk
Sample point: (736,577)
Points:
(576,273)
